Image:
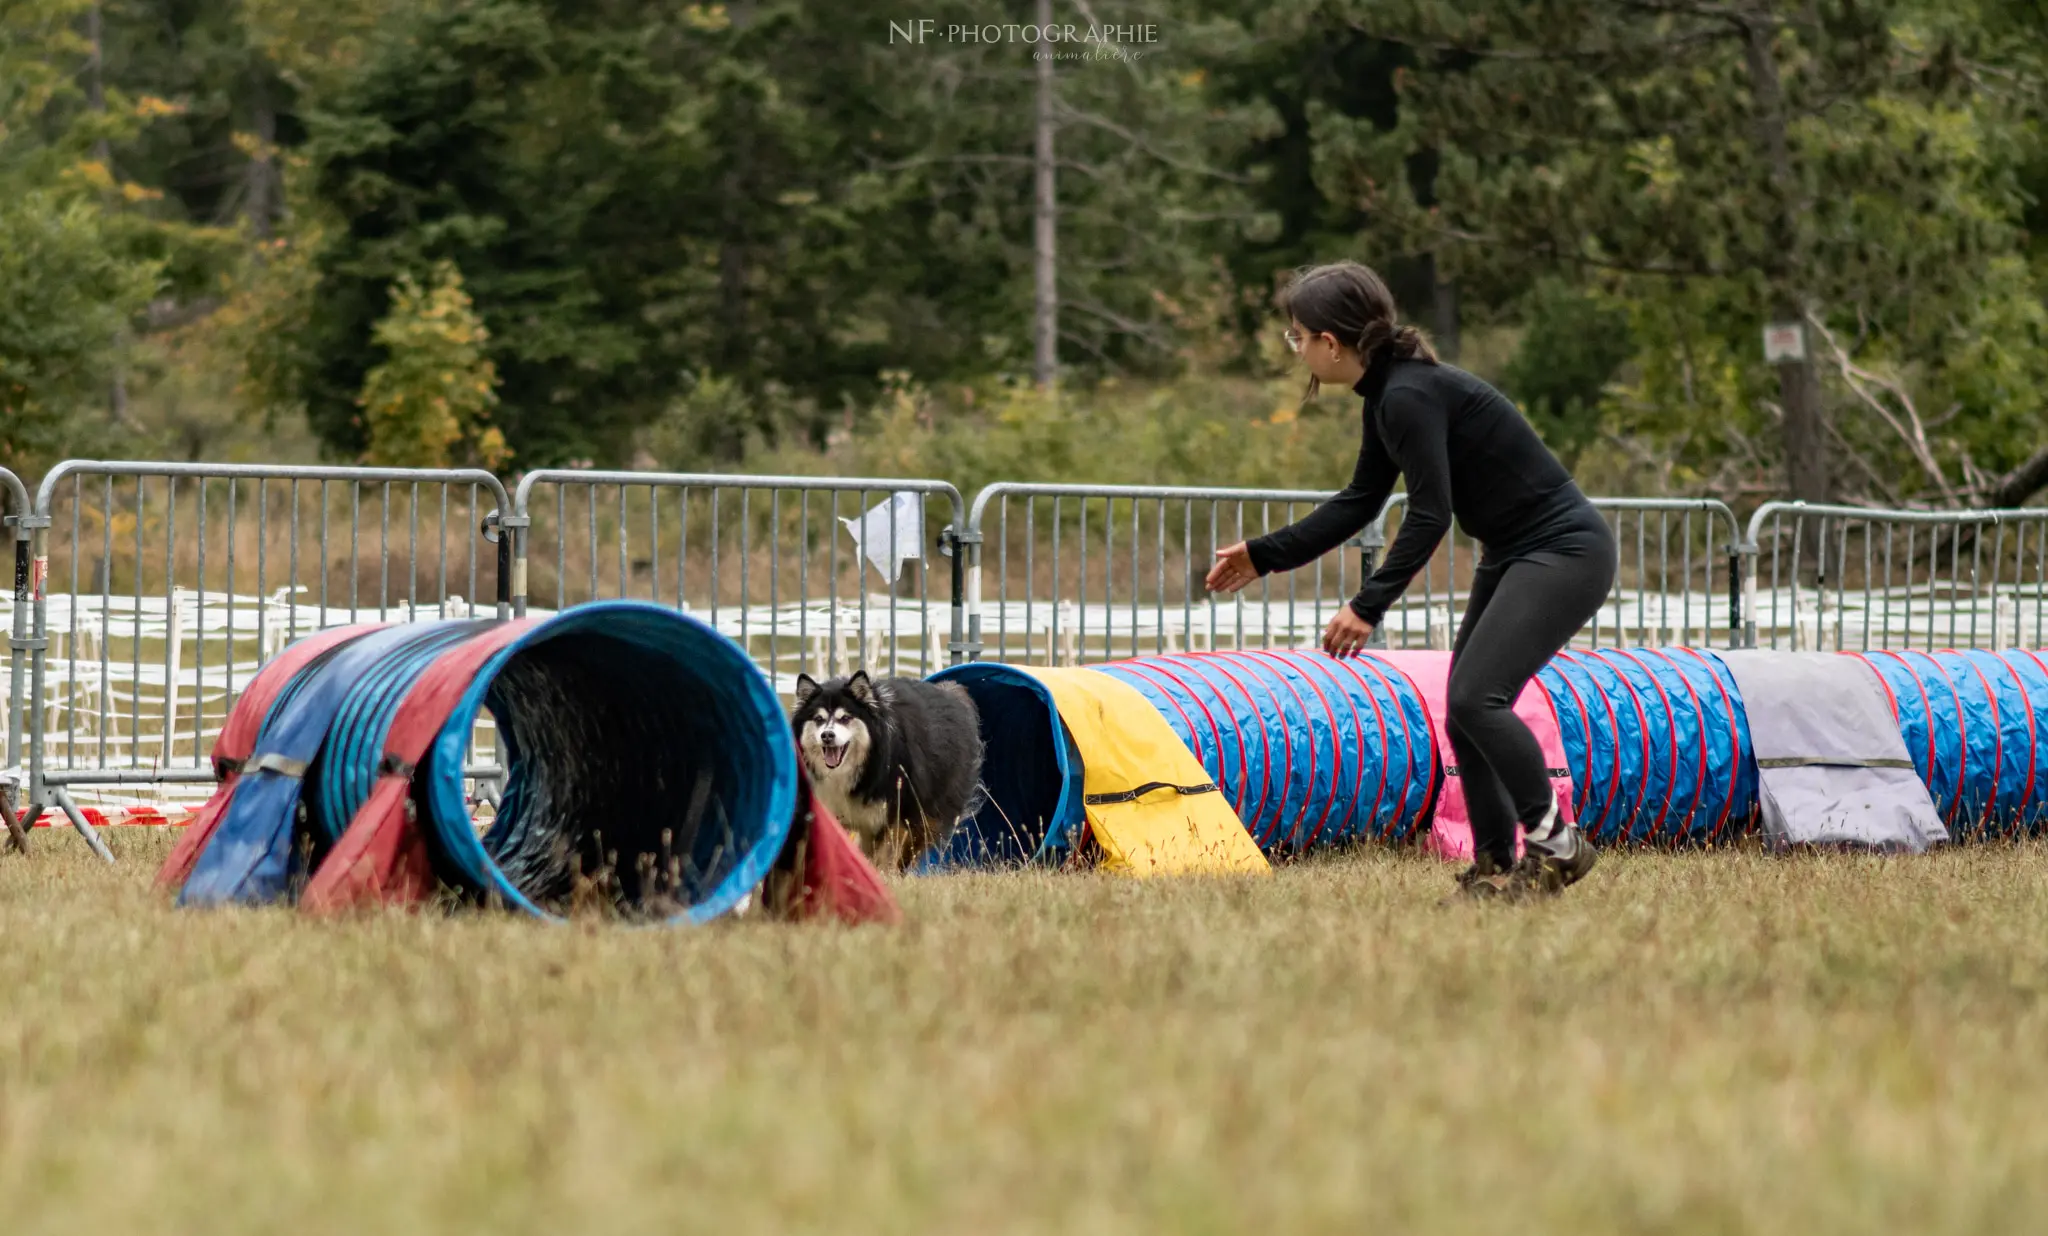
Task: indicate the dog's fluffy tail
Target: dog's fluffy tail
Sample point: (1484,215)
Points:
(975,802)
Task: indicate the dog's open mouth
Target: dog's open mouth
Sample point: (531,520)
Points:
(833,756)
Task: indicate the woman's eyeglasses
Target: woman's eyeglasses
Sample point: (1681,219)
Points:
(1294,340)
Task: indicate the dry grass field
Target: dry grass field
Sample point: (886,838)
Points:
(1712,1043)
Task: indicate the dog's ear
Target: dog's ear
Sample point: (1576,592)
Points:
(860,688)
(806,687)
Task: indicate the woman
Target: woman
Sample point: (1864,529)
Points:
(1549,557)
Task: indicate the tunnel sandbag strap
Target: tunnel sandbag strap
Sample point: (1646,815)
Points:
(1131,796)
(282,765)
(238,738)
(1451,770)
(1833,766)
(1832,761)
(1123,740)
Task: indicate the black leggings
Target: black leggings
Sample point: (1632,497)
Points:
(1519,615)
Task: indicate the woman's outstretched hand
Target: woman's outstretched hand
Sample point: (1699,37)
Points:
(1233,569)
(1346,634)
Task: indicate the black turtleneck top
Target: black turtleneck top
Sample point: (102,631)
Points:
(1467,453)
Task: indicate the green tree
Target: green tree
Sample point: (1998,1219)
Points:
(640,197)
(428,404)
(76,268)
(1829,158)
(69,293)
(1576,342)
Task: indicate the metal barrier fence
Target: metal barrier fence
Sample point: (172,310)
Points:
(1679,578)
(762,558)
(1093,573)
(147,594)
(1850,577)
(14,518)
(159,588)
(1086,597)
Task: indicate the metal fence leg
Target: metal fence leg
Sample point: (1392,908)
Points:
(78,821)
(37,645)
(10,806)
(1368,543)
(17,647)
(1742,568)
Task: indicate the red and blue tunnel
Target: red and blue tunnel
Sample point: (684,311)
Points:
(647,764)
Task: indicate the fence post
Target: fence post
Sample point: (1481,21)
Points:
(1742,566)
(514,528)
(17,519)
(1369,541)
(960,546)
(508,533)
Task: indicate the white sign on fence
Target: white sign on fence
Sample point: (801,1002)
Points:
(901,513)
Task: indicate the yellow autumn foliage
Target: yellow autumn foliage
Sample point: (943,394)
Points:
(428,405)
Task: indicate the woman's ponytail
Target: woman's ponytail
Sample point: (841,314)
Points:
(1410,344)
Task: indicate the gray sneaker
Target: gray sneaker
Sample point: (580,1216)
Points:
(1555,854)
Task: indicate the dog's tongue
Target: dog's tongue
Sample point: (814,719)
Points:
(834,756)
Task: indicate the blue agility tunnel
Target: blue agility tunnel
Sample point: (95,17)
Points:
(638,743)
(648,765)
(1308,751)
(1657,744)
(1030,806)
(1975,724)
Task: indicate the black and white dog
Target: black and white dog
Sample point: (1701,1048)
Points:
(897,760)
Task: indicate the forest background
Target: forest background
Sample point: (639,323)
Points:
(902,239)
